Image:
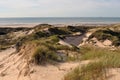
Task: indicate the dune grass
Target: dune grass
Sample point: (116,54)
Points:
(43,54)
(47,50)
(108,57)
(102,61)
(92,71)
(111,35)
(89,52)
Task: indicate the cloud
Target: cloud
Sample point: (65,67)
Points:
(65,8)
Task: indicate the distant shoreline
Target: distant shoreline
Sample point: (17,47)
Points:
(30,25)
(84,21)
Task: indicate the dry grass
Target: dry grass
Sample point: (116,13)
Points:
(96,70)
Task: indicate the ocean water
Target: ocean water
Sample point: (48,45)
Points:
(60,20)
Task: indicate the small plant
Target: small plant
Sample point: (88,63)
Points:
(42,54)
(57,31)
(54,38)
(40,34)
(90,52)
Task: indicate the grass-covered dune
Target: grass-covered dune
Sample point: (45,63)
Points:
(45,44)
(102,35)
(103,60)
(111,33)
(9,36)
(41,45)
(4,31)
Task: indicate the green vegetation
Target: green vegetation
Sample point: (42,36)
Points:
(6,42)
(46,50)
(92,71)
(54,38)
(41,27)
(42,30)
(108,57)
(6,37)
(90,52)
(77,28)
(40,34)
(67,30)
(102,35)
(42,47)
(43,54)
(46,47)
(59,31)
(102,61)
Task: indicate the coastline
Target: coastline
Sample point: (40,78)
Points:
(30,25)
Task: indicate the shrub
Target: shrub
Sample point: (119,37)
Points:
(77,28)
(40,34)
(54,38)
(58,31)
(42,54)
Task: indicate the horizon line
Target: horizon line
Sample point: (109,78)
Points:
(62,17)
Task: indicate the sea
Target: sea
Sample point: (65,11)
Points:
(60,20)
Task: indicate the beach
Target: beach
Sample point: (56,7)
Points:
(58,21)
(59,40)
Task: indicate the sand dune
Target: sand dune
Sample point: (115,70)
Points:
(12,68)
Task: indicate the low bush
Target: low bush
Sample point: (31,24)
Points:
(54,38)
(57,31)
(43,54)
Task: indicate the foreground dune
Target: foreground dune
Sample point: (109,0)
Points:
(9,69)
(18,64)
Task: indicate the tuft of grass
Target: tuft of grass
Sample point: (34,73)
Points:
(106,55)
(43,54)
(90,52)
(98,69)
(92,71)
(111,60)
(54,38)
(46,50)
(40,34)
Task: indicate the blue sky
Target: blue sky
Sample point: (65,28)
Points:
(59,8)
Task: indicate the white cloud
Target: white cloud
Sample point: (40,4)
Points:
(58,7)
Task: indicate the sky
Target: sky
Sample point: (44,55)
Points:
(59,8)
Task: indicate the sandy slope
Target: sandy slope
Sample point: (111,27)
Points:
(5,53)
(114,74)
(13,67)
